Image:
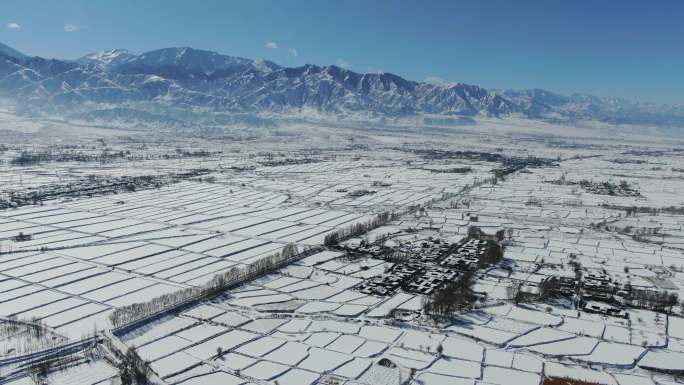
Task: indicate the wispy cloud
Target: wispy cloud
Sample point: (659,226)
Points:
(73,27)
(343,63)
(292,51)
(13,25)
(271,45)
(432,79)
(374,70)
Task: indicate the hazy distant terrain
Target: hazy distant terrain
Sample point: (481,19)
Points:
(187,88)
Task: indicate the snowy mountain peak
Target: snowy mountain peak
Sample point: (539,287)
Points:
(107,58)
(187,80)
(189,59)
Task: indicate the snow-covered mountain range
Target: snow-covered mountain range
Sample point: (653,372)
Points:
(175,85)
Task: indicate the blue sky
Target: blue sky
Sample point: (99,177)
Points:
(632,49)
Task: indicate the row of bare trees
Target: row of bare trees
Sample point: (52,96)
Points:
(133,369)
(662,301)
(96,186)
(456,296)
(218,284)
(26,336)
(359,228)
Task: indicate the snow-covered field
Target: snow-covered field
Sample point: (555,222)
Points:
(67,263)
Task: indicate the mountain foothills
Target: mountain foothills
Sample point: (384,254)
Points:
(175,86)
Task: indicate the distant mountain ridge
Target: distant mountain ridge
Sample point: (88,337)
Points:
(180,83)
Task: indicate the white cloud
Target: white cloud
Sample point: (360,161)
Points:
(271,45)
(343,63)
(13,25)
(432,79)
(292,51)
(73,27)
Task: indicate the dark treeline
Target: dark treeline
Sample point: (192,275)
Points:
(219,283)
(26,336)
(634,210)
(26,158)
(550,288)
(191,154)
(623,188)
(661,301)
(493,252)
(133,370)
(29,158)
(356,229)
(456,296)
(289,161)
(453,170)
(509,164)
(94,185)
(58,357)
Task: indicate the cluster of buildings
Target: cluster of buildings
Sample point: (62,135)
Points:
(603,294)
(426,266)
(364,248)
(465,255)
(611,189)
(430,280)
(360,193)
(599,292)
(429,251)
(599,286)
(604,309)
(390,281)
(410,277)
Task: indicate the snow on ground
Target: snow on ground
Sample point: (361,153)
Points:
(88,256)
